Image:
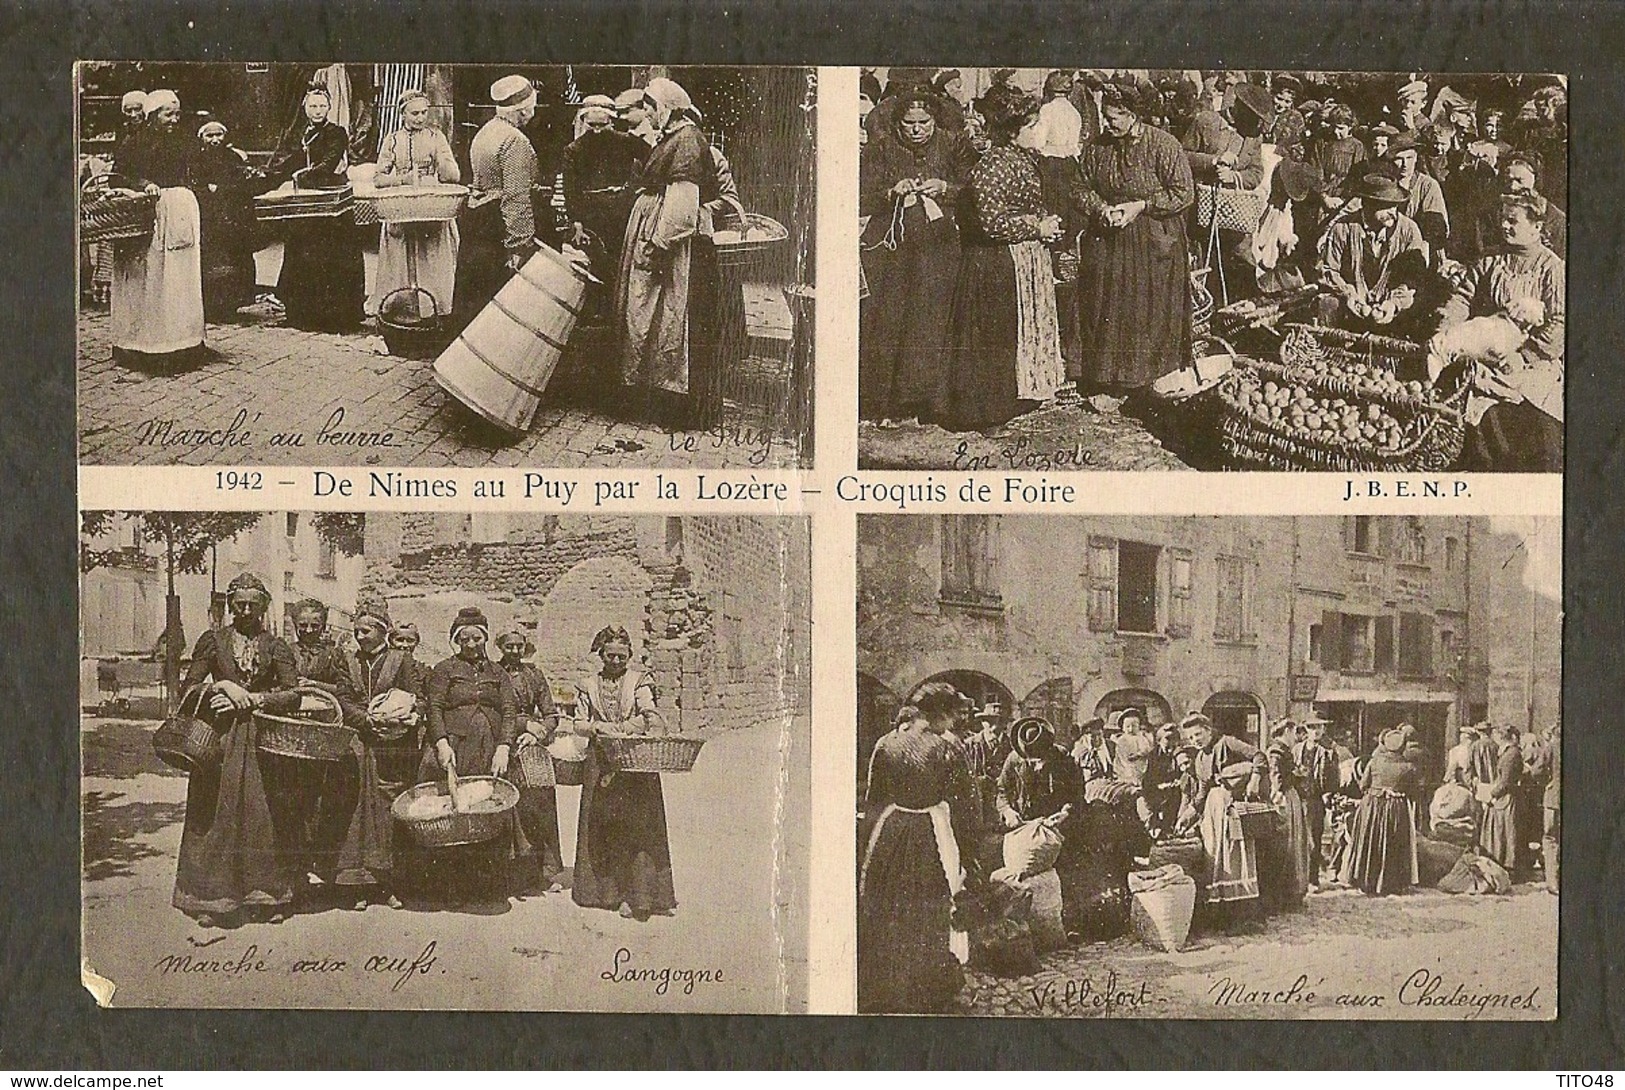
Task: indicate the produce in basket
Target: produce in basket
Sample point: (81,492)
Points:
(1321,416)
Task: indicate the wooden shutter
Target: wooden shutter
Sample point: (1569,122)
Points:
(1102,577)
(1181,573)
(1331,640)
(1384,535)
(1382,647)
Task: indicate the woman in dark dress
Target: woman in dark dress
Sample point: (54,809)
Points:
(225,185)
(623,853)
(1498,836)
(322,285)
(1134,187)
(1006,333)
(472,723)
(1382,841)
(538,808)
(909,178)
(391,746)
(668,292)
(233,860)
(909,955)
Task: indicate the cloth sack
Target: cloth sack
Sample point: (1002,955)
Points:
(1031,848)
(1436,858)
(995,915)
(1044,918)
(1474,874)
(393,706)
(1163,902)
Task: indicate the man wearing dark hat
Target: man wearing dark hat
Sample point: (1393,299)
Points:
(1288,128)
(1317,763)
(1373,260)
(1379,139)
(498,229)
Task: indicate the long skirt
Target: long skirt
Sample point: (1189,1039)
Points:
(906,961)
(417,255)
(1514,438)
(158,282)
(323,281)
(904,334)
(1134,298)
(366,856)
(1232,855)
(541,854)
(1284,860)
(230,855)
(1382,845)
(1006,355)
(227,255)
(623,853)
(1498,836)
(482,257)
(670,325)
(467,870)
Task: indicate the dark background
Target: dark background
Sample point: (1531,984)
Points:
(47,1021)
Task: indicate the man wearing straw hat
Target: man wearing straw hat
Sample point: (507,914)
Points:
(498,229)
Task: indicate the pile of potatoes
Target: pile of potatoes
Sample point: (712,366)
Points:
(1320,416)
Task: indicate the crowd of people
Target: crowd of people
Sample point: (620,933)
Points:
(266,834)
(1023,249)
(643,192)
(1257,829)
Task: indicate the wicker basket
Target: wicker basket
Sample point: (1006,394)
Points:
(1255,818)
(325,739)
(364,208)
(1201,310)
(106,213)
(421,339)
(534,767)
(741,251)
(458,827)
(1234,209)
(569,770)
(185,741)
(419,203)
(650,753)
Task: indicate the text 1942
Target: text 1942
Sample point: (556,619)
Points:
(235,480)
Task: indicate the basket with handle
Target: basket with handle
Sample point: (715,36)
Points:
(569,755)
(421,337)
(320,737)
(419,203)
(107,212)
(185,740)
(1229,208)
(650,752)
(534,767)
(759,234)
(453,827)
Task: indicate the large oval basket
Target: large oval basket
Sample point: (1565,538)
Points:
(185,741)
(307,739)
(107,213)
(650,753)
(419,203)
(458,827)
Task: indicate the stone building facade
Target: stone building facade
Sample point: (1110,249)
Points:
(717,607)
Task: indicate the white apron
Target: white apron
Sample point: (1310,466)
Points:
(158,290)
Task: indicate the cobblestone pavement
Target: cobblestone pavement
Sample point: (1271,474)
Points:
(740,915)
(1344,956)
(1050,439)
(343,396)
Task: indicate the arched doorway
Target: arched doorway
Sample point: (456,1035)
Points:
(978,686)
(1157,711)
(1055,702)
(1237,713)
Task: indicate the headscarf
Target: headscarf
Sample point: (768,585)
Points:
(470,617)
(594,107)
(671,101)
(133,98)
(1033,737)
(209,127)
(158,99)
(248,582)
(375,609)
(610,634)
(511,92)
(411,95)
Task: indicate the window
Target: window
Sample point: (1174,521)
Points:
(293,524)
(287,582)
(1230,616)
(1447,649)
(1179,592)
(1452,553)
(1382,644)
(1357,643)
(1136,587)
(969,561)
(1315,643)
(326,558)
(1415,645)
(1364,535)
(1413,545)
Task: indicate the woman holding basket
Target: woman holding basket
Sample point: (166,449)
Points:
(538,807)
(473,719)
(416,154)
(233,861)
(623,853)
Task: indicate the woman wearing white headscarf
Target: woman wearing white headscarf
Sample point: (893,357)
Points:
(416,154)
(599,166)
(158,280)
(667,291)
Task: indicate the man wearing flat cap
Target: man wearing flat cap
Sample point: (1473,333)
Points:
(498,228)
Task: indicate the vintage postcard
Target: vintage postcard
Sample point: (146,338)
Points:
(1173,767)
(445,265)
(427,760)
(1313,271)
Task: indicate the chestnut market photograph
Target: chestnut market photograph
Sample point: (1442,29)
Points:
(446,761)
(1215,270)
(1209,767)
(445,265)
